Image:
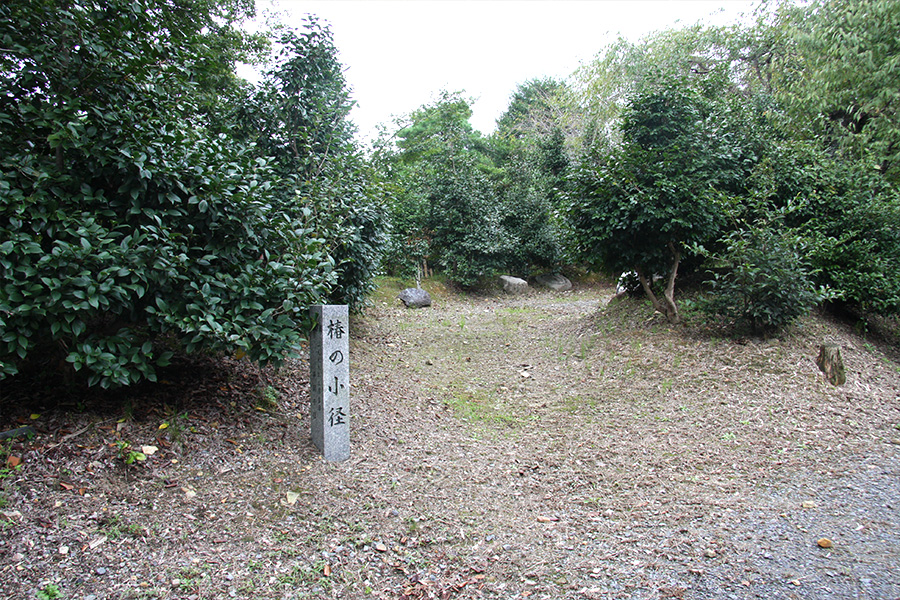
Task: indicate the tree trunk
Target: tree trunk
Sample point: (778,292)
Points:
(666,305)
(671,309)
(646,285)
(831,364)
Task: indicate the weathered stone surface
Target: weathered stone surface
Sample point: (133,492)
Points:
(554,281)
(415,298)
(513,285)
(26,431)
(329,381)
(629,282)
(831,364)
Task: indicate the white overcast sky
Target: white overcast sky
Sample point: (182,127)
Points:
(398,54)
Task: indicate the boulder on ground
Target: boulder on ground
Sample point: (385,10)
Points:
(513,285)
(415,298)
(555,282)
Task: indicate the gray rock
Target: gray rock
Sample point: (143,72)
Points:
(26,431)
(555,282)
(627,282)
(415,298)
(513,285)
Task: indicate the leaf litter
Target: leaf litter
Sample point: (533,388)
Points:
(635,460)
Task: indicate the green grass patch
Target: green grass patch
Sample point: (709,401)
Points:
(388,288)
(481,407)
(578,405)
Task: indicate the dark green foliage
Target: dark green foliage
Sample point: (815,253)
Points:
(298,119)
(837,170)
(640,207)
(409,243)
(529,148)
(848,216)
(762,282)
(133,222)
(467,236)
(862,261)
(348,204)
(528,217)
(298,115)
(552,158)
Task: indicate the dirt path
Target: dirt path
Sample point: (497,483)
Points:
(503,447)
(589,454)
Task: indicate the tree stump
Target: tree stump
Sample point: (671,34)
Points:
(831,364)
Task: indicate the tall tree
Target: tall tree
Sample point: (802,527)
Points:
(604,86)
(531,153)
(533,109)
(848,78)
(298,119)
(298,116)
(446,201)
(644,205)
(833,164)
(439,136)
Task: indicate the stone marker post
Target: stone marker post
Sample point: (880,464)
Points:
(329,381)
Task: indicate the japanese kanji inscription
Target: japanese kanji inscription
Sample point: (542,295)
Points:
(329,381)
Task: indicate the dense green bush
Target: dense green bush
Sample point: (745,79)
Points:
(297,120)
(761,282)
(348,204)
(408,245)
(468,239)
(135,218)
(528,218)
(526,193)
(642,205)
(848,216)
(529,150)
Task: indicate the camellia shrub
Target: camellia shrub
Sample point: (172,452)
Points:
(760,283)
(130,226)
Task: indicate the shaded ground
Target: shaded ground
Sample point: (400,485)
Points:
(545,446)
